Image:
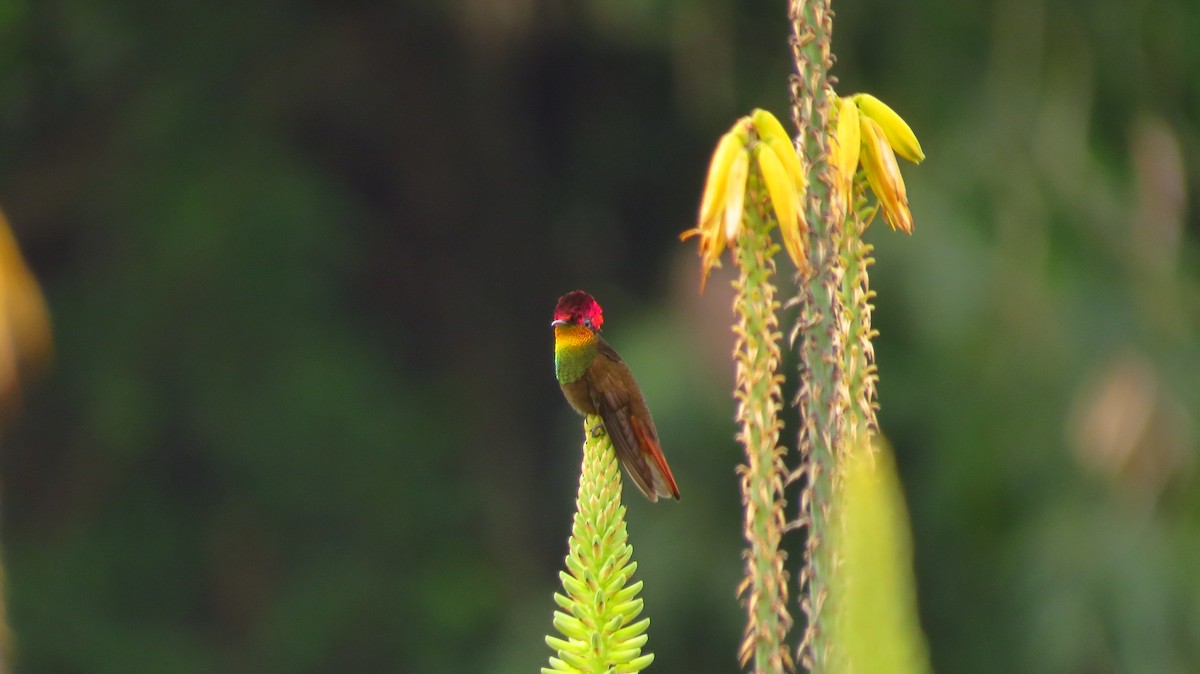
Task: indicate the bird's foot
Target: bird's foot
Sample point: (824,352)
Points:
(597,430)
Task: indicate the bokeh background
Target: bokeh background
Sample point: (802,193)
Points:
(301,257)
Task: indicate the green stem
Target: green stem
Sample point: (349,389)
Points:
(855,295)
(764,590)
(821,396)
(599,604)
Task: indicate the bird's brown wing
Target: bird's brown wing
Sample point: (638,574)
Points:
(628,424)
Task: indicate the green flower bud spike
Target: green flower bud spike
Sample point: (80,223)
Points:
(599,607)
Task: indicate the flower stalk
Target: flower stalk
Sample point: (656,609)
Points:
(818,334)
(764,590)
(755,182)
(816,190)
(599,605)
(855,296)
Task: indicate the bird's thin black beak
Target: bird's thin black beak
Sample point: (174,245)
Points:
(557,323)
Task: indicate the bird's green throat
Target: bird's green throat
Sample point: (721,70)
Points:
(574,350)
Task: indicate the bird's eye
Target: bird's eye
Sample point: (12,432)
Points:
(587,323)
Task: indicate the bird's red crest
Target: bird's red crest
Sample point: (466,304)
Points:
(579,308)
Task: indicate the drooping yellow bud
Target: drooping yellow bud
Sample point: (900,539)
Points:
(771,132)
(899,135)
(795,240)
(767,125)
(785,201)
(718,174)
(758,136)
(883,173)
(848,139)
(779,185)
(735,194)
(727,172)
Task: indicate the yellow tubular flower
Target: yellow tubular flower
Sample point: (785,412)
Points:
(795,239)
(879,163)
(771,132)
(779,184)
(735,194)
(895,129)
(792,225)
(786,203)
(726,182)
(848,139)
(718,172)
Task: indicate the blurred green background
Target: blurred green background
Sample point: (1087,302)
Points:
(301,258)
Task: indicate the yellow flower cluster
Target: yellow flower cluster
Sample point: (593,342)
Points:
(755,141)
(866,133)
(870,134)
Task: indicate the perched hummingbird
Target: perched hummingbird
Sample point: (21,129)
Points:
(595,380)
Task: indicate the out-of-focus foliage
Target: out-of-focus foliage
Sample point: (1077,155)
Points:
(300,259)
(25,341)
(873,598)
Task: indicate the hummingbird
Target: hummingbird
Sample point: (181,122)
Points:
(595,380)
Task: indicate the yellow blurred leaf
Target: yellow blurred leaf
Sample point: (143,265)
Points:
(25,342)
(876,629)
